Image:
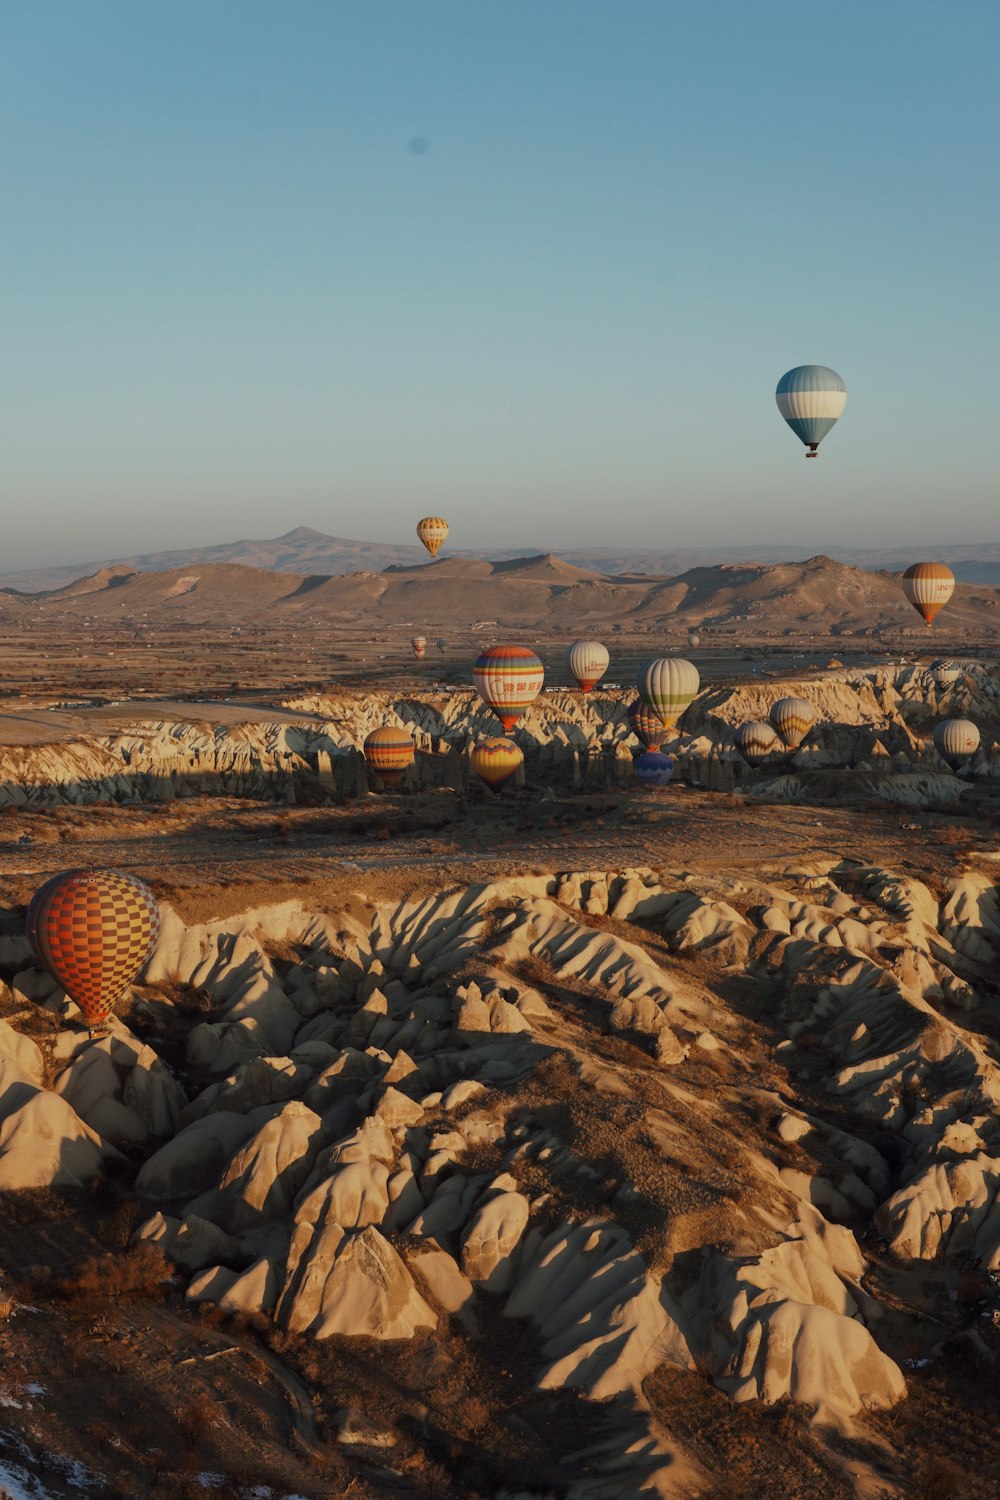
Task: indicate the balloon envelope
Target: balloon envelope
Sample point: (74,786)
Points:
(433,532)
(93,930)
(756,740)
(667,685)
(811,398)
(587,662)
(495,761)
(793,718)
(653,769)
(646,725)
(956,740)
(508,679)
(388,752)
(419,644)
(928,586)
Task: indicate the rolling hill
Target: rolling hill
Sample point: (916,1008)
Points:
(306,551)
(545,593)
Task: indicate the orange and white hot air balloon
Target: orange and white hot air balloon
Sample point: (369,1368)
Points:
(928,586)
(389,752)
(587,662)
(433,532)
(93,930)
(508,679)
(495,761)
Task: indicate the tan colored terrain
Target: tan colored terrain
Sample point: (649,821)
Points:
(584,1142)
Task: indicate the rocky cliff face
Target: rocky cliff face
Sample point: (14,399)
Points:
(876,721)
(668,1120)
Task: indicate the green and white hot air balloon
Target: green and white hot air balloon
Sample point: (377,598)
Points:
(811,398)
(667,685)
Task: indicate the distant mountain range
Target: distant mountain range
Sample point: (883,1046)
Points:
(543,594)
(305,551)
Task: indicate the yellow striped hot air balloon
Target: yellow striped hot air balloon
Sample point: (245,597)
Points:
(433,532)
(646,725)
(928,586)
(793,718)
(668,684)
(496,761)
(508,679)
(756,740)
(388,752)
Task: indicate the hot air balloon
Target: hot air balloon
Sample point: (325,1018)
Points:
(667,685)
(508,679)
(756,740)
(496,761)
(928,586)
(587,662)
(419,644)
(694,640)
(956,740)
(441,644)
(93,930)
(388,752)
(793,718)
(811,398)
(645,724)
(433,532)
(653,769)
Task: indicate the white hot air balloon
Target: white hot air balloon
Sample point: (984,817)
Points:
(956,741)
(587,662)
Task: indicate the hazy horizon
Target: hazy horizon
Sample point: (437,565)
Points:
(536,268)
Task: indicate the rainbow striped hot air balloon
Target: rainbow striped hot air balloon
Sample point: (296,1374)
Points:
(93,930)
(508,679)
(433,532)
(793,718)
(389,752)
(646,725)
(928,586)
(587,662)
(811,398)
(668,685)
(495,761)
(653,769)
(756,740)
(956,741)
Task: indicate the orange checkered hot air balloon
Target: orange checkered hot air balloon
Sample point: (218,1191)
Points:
(388,752)
(93,930)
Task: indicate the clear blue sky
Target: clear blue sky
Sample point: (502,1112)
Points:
(536,264)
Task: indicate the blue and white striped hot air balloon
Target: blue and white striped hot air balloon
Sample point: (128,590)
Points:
(811,398)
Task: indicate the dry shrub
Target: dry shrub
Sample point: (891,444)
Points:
(136,1276)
